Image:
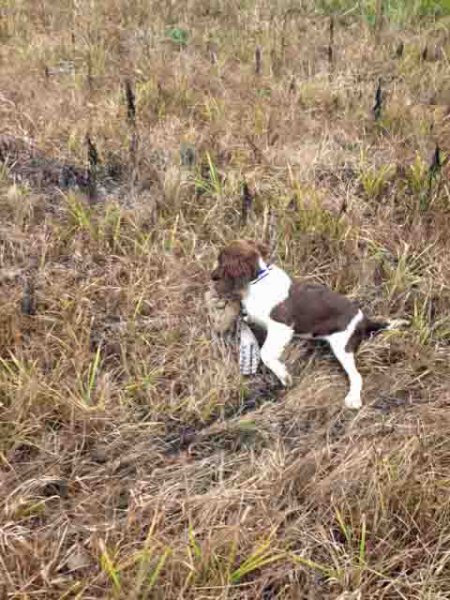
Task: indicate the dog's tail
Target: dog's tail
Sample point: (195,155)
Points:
(372,327)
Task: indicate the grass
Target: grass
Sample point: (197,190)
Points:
(134,461)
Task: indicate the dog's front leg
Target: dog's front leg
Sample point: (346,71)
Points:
(278,337)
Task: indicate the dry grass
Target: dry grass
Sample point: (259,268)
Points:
(135,463)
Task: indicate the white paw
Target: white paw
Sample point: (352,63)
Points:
(353,401)
(287,380)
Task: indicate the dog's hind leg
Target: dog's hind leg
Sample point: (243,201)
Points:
(339,343)
(347,360)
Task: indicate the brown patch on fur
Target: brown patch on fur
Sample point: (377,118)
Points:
(238,265)
(315,310)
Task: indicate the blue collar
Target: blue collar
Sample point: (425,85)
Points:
(260,275)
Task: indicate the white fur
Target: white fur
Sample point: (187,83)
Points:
(259,299)
(338,342)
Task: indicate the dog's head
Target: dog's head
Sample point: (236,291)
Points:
(237,265)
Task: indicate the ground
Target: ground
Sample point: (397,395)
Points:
(135,462)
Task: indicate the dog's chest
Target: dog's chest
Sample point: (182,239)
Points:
(262,296)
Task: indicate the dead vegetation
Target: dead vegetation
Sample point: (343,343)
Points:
(138,136)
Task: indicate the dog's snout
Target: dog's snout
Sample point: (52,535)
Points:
(215,276)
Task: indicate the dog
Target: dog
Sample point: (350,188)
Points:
(272,300)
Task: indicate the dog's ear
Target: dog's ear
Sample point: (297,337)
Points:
(239,266)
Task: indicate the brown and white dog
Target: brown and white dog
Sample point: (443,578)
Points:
(284,308)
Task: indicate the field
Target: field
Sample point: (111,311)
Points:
(136,137)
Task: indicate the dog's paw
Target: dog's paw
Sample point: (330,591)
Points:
(353,401)
(287,380)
